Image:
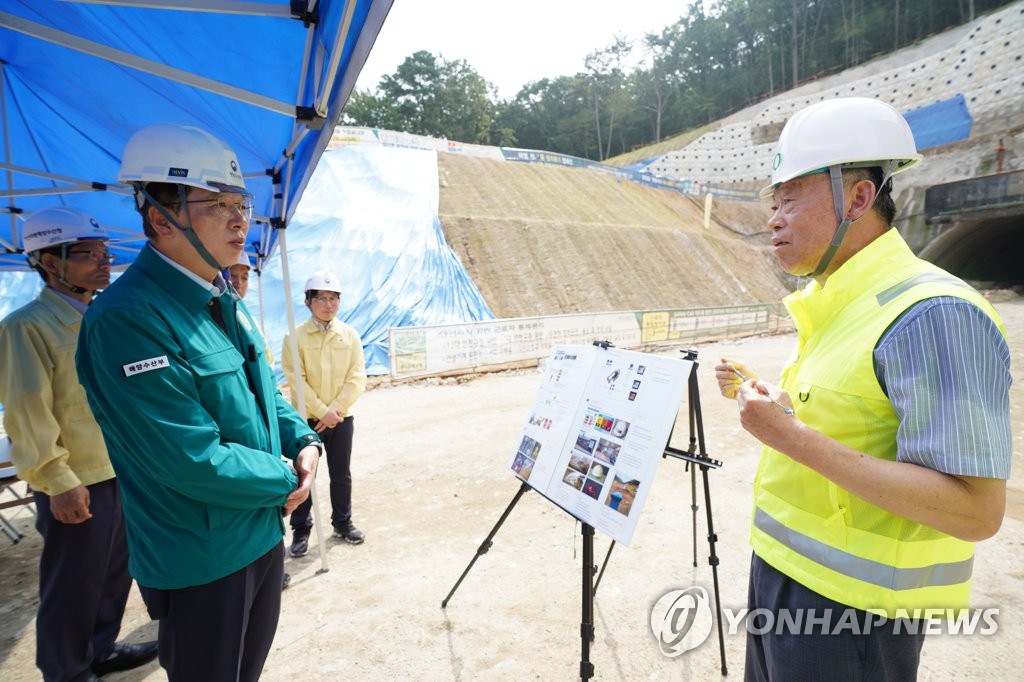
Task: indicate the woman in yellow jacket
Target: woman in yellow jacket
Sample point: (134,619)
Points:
(333,375)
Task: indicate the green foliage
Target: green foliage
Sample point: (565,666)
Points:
(711,62)
(430,96)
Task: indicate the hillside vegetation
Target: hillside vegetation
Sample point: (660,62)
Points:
(547,240)
(541,240)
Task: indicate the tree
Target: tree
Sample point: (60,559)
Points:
(719,57)
(654,85)
(606,78)
(429,96)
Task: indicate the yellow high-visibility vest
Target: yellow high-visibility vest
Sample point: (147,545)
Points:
(817,533)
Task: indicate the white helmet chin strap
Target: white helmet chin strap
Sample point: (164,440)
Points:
(838,200)
(190,234)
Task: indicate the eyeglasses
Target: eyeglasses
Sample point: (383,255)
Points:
(327,300)
(225,209)
(101,256)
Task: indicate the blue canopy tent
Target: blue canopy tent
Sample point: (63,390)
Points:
(77,79)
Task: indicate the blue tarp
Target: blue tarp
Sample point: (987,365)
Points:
(78,79)
(943,122)
(369,215)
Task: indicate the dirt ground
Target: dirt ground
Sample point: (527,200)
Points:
(432,480)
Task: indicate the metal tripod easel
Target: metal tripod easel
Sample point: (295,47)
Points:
(696,457)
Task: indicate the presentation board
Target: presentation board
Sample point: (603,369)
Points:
(596,431)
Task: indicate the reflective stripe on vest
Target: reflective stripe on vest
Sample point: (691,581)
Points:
(892,292)
(888,577)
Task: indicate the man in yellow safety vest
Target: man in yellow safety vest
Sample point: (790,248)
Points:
(889,456)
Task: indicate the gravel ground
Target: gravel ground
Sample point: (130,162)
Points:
(431,481)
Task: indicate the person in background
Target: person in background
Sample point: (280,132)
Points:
(239,276)
(887,444)
(333,375)
(191,414)
(58,450)
(239,273)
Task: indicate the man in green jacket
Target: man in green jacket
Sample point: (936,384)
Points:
(194,423)
(58,450)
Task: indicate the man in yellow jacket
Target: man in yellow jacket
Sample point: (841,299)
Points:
(887,443)
(332,372)
(58,450)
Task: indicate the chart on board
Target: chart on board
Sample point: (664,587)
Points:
(597,430)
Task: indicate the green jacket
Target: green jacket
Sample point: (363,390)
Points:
(194,427)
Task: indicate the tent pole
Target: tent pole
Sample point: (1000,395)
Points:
(300,398)
(15,242)
(259,276)
(263,319)
(323,88)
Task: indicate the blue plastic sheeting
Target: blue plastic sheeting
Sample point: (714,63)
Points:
(944,122)
(78,79)
(17,289)
(641,165)
(567,160)
(369,215)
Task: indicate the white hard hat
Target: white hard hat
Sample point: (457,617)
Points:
(59,225)
(847,131)
(180,154)
(243,259)
(323,281)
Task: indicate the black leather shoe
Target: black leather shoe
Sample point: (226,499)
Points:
(125,656)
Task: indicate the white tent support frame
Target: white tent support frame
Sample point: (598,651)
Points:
(328,88)
(13,220)
(296,111)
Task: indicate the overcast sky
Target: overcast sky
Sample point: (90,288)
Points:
(511,44)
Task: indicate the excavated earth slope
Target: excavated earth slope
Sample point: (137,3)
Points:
(548,240)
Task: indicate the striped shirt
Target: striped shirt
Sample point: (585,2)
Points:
(946,369)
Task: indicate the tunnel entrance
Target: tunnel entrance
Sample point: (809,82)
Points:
(978,228)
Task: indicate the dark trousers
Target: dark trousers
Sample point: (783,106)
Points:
(221,630)
(887,652)
(338,451)
(83,584)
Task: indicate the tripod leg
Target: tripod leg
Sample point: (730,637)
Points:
(603,565)
(486,544)
(587,621)
(696,428)
(693,507)
(713,560)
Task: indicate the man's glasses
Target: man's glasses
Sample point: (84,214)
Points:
(101,256)
(327,300)
(225,208)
